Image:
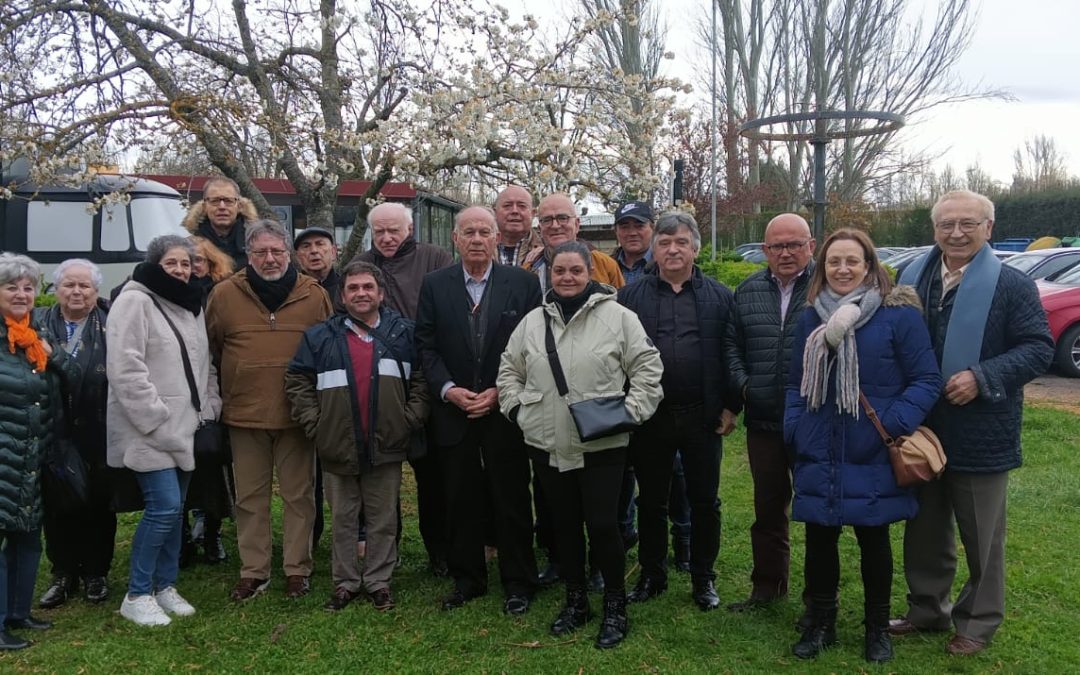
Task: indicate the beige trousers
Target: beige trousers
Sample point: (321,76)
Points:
(375,492)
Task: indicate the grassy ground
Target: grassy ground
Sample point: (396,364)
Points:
(271,634)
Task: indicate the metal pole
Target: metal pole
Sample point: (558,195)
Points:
(712,131)
(819,187)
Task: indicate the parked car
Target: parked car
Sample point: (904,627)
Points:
(743,249)
(1044,262)
(1062,305)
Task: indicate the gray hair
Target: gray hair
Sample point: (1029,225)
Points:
(397,208)
(265,226)
(159,246)
(96,277)
(475,207)
(221,180)
(671,222)
(982,200)
(574,247)
(14,266)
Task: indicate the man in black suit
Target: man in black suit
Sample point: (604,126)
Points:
(466,314)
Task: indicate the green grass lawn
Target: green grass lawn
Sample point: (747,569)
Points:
(270,634)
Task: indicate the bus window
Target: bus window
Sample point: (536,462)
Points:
(155,216)
(114,228)
(59,226)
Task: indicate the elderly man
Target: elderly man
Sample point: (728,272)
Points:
(559,222)
(514,215)
(354,377)
(767,305)
(466,315)
(686,315)
(404,262)
(634,232)
(991,338)
(316,251)
(255,320)
(220,217)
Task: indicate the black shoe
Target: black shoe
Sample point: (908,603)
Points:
(516,604)
(629,539)
(438,566)
(575,614)
(29,623)
(214,549)
(682,554)
(614,627)
(457,599)
(646,589)
(596,582)
(877,644)
(95,589)
(57,594)
(704,594)
(819,636)
(549,577)
(10,642)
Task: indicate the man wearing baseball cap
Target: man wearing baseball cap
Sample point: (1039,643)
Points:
(317,252)
(633,231)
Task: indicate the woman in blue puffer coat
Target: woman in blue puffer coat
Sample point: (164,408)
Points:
(859,333)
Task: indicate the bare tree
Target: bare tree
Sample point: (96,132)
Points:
(1039,165)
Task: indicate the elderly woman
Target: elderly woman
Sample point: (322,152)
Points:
(153,414)
(79,542)
(30,409)
(601,346)
(208,496)
(859,335)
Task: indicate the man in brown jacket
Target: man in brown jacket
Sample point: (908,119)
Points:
(255,320)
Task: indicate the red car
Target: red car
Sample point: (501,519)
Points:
(1061,300)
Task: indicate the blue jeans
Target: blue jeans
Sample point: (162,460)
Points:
(155,549)
(18,572)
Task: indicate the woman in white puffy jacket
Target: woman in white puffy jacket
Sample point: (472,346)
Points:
(151,417)
(602,347)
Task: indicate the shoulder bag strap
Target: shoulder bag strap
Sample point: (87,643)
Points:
(872,414)
(183,356)
(553,357)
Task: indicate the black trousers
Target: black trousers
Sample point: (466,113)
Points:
(823,563)
(652,452)
(431,502)
(81,543)
(490,460)
(588,496)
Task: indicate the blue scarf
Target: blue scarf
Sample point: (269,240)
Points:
(967,322)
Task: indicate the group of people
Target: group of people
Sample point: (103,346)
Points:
(481,373)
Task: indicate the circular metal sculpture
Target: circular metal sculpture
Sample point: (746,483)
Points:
(824,130)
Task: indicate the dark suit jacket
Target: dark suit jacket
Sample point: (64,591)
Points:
(444,343)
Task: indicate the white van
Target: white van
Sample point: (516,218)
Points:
(51,223)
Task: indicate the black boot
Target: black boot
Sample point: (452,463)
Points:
(614,627)
(821,634)
(576,612)
(61,588)
(878,644)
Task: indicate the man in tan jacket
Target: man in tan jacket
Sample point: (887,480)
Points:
(255,320)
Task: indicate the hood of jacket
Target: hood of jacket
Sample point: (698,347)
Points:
(197,213)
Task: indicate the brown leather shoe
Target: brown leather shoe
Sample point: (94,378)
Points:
(247,588)
(901,626)
(382,600)
(961,645)
(296,586)
(340,598)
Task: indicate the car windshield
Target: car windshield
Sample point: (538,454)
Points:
(1024,263)
(1070,278)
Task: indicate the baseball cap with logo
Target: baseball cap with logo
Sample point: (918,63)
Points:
(639,211)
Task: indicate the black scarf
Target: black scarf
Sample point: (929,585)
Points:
(205,285)
(406,247)
(154,277)
(570,306)
(232,243)
(272,294)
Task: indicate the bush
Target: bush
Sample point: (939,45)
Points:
(44,300)
(729,273)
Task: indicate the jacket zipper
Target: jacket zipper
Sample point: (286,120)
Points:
(273,321)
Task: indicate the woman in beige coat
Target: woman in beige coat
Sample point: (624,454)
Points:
(151,417)
(601,346)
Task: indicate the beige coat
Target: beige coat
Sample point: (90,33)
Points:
(601,347)
(150,419)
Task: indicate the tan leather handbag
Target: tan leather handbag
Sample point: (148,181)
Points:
(917,458)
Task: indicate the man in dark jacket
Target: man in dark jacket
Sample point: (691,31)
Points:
(686,315)
(767,307)
(466,315)
(356,388)
(991,338)
(220,217)
(404,263)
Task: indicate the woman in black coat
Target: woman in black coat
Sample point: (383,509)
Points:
(79,539)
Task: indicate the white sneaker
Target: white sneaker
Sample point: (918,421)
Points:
(171,601)
(143,610)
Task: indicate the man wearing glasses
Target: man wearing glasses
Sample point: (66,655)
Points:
(767,306)
(220,217)
(991,338)
(559,223)
(255,320)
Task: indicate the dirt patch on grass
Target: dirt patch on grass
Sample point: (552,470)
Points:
(1054,391)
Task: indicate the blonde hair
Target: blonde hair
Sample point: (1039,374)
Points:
(220,264)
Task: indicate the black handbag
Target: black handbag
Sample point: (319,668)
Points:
(210,445)
(595,417)
(65,479)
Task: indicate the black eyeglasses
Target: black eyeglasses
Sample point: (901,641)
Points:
(790,247)
(561,219)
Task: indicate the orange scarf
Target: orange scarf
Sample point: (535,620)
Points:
(20,334)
